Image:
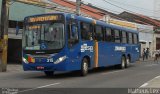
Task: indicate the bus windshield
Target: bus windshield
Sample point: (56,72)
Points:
(43,36)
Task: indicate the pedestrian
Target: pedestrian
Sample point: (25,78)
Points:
(147,53)
(156,55)
(144,53)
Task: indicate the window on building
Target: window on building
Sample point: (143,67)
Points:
(14,24)
(86,31)
(124,37)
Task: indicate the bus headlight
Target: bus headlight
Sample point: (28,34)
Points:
(25,61)
(59,60)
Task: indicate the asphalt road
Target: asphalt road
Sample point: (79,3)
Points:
(107,78)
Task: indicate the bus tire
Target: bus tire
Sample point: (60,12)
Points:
(128,61)
(84,67)
(123,62)
(49,73)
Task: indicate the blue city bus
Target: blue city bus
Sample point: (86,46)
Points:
(67,42)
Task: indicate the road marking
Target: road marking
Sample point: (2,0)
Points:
(145,84)
(112,72)
(38,87)
(157,77)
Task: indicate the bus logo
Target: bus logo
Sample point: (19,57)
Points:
(119,48)
(85,47)
(137,49)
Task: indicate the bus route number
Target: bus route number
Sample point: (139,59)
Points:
(50,60)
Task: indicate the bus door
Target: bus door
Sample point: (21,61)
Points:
(87,43)
(136,47)
(73,44)
(99,47)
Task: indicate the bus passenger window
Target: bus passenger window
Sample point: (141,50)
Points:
(86,31)
(124,37)
(72,34)
(130,39)
(99,33)
(112,35)
(135,38)
(117,36)
(108,35)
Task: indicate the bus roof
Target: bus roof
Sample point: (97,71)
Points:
(89,20)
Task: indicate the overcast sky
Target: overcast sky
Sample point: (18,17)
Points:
(145,7)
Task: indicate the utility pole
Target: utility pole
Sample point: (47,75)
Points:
(78,5)
(4,35)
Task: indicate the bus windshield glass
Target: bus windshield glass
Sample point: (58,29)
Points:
(47,35)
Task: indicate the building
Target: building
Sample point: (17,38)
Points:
(17,12)
(152,31)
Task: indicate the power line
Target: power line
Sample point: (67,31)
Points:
(139,8)
(126,9)
(103,8)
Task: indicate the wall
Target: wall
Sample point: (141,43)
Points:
(146,35)
(155,40)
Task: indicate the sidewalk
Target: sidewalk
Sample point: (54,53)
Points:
(149,59)
(14,67)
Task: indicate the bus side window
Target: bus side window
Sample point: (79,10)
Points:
(117,36)
(99,33)
(86,31)
(135,38)
(72,33)
(112,35)
(124,37)
(108,35)
(130,39)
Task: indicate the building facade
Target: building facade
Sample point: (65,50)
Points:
(146,37)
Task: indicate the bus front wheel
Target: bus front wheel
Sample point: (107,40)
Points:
(84,67)
(49,73)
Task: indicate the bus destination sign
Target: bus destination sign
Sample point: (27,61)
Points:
(44,18)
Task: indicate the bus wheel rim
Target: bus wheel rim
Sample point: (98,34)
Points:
(128,61)
(85,67)
(123,63)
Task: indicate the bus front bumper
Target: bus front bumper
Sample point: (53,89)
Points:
(43,67)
